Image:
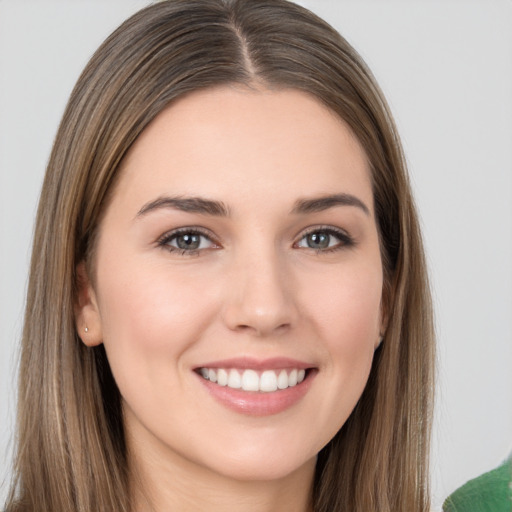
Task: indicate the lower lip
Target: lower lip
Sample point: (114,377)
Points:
(255,403)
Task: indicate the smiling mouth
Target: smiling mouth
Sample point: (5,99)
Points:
(266,381)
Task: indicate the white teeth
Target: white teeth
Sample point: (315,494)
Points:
(222,377)
(268,381)
(249,380)
(234,380)
(282,380)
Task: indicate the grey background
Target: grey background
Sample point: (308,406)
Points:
(446,69)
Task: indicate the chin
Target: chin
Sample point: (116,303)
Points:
(257,463)
(264,471)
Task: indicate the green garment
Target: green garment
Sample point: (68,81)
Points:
(490,492)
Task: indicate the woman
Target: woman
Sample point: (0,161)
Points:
(228,306)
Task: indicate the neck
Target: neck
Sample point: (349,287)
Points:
(162,482)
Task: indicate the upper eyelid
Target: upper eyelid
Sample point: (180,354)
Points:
(214,239)
(313,229)
(168,235)
(345,239)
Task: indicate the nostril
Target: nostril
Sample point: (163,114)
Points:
(260,329)
(283,327)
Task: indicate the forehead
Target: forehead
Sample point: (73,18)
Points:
(246,143)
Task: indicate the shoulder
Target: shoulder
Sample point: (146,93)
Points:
(490,492)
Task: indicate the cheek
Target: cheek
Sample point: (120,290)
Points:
(346,308)
(151,318)
(347,318)
(151,314)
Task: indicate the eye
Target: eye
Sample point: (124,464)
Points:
(186,240)
(325,239)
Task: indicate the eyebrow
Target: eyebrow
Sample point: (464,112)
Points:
(186,204)
(320,204)
(219,209)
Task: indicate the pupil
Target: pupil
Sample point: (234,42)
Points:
(318,240)
(188,241)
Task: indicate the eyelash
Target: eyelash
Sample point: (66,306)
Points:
(345,240)
(167,238)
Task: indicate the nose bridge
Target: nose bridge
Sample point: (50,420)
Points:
(261,299)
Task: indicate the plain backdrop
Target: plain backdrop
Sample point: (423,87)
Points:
(446,69)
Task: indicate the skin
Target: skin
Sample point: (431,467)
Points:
(254,288)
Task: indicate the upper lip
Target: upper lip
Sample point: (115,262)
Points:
(246,363)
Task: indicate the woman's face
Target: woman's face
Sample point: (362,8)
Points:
(239,249)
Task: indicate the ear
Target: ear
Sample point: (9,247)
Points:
(87,314)
(383,325)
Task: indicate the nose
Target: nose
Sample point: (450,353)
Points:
(261,299)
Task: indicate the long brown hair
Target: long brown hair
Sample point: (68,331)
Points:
(71,453)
